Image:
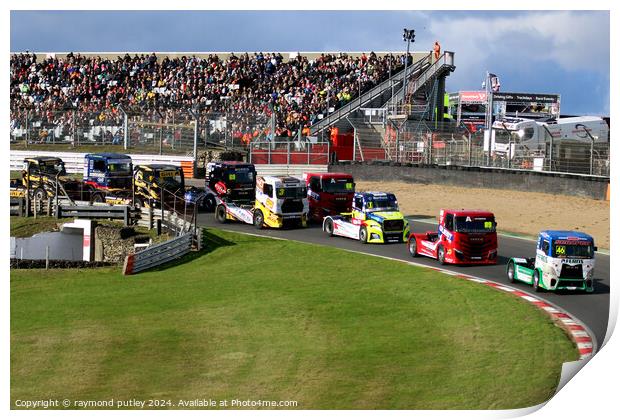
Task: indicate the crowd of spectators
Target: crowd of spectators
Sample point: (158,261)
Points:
(297,90)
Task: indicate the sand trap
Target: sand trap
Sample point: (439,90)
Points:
(518,212)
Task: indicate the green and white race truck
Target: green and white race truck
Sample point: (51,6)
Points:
(564,261)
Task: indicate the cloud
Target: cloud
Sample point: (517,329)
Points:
(573,41)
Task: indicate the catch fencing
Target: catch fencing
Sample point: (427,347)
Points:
(445,143)
(148,130)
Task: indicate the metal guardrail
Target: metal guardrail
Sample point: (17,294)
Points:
(363,99)
(95,212)
(157,255)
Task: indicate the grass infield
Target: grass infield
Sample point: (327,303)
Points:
(261,319)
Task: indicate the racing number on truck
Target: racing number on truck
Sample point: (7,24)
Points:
(232,177)
(488,225)
(560,250)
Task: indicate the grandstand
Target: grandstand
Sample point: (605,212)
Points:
(234,97)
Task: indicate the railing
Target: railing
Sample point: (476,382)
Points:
(366,97)
(444,63)
(304,152)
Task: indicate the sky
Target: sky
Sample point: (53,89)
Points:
(565,52)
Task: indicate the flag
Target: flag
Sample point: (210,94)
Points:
(495,84)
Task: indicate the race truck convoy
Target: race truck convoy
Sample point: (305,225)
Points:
(281,201)
(329,194)
(231,181)
(564,261)
(374,218)
(462,237)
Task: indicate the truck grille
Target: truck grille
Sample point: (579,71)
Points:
(393,225)
(292,206)
(571,272)
(476,247)
(571,283)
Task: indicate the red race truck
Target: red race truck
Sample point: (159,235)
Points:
(329,194)
(463,237)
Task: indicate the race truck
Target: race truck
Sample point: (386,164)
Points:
(281,201)
(109,177)
(229,181)
(374,218)
(151,181)
(462,237)
(564,261)
(329,194)
(46,176)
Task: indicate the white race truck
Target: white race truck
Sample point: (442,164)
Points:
(281,201)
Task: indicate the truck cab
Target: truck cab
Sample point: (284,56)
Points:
(462,237)
(41,173)
(564,261)
(150,181)
(231,181)
(281,201)
(374,218)
(108,171)
(329,194)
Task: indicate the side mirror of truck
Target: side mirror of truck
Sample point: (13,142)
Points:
(595,248)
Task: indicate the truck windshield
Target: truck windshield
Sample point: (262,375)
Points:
(382,204)
(503,136)
(338,185)
(240,176)
(468,224)
(120,167)
(291,192)
(171,176)
(571,249)
(54,167)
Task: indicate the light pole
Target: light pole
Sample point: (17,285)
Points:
(409,36)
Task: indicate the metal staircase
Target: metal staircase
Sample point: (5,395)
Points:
(373,94)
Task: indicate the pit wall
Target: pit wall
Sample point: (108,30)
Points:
(460,176)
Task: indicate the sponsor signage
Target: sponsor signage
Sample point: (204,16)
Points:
(476,97)
(526,97)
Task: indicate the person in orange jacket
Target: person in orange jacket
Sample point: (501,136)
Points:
(436,50)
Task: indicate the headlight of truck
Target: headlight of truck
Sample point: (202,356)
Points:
(590,275)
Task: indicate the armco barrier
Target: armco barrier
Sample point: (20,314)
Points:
(74,162)
(156,255)
(463,176)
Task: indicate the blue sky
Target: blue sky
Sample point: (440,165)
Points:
(565,52)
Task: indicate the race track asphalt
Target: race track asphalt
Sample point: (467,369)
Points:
(590,308)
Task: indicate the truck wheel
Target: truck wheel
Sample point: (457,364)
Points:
(441,255)
(536,281)
(220,214)
(40,194)
(510,271)
(259,219)
(209,203)
(98,198)
(413,247)
(363,235)
(329,227)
